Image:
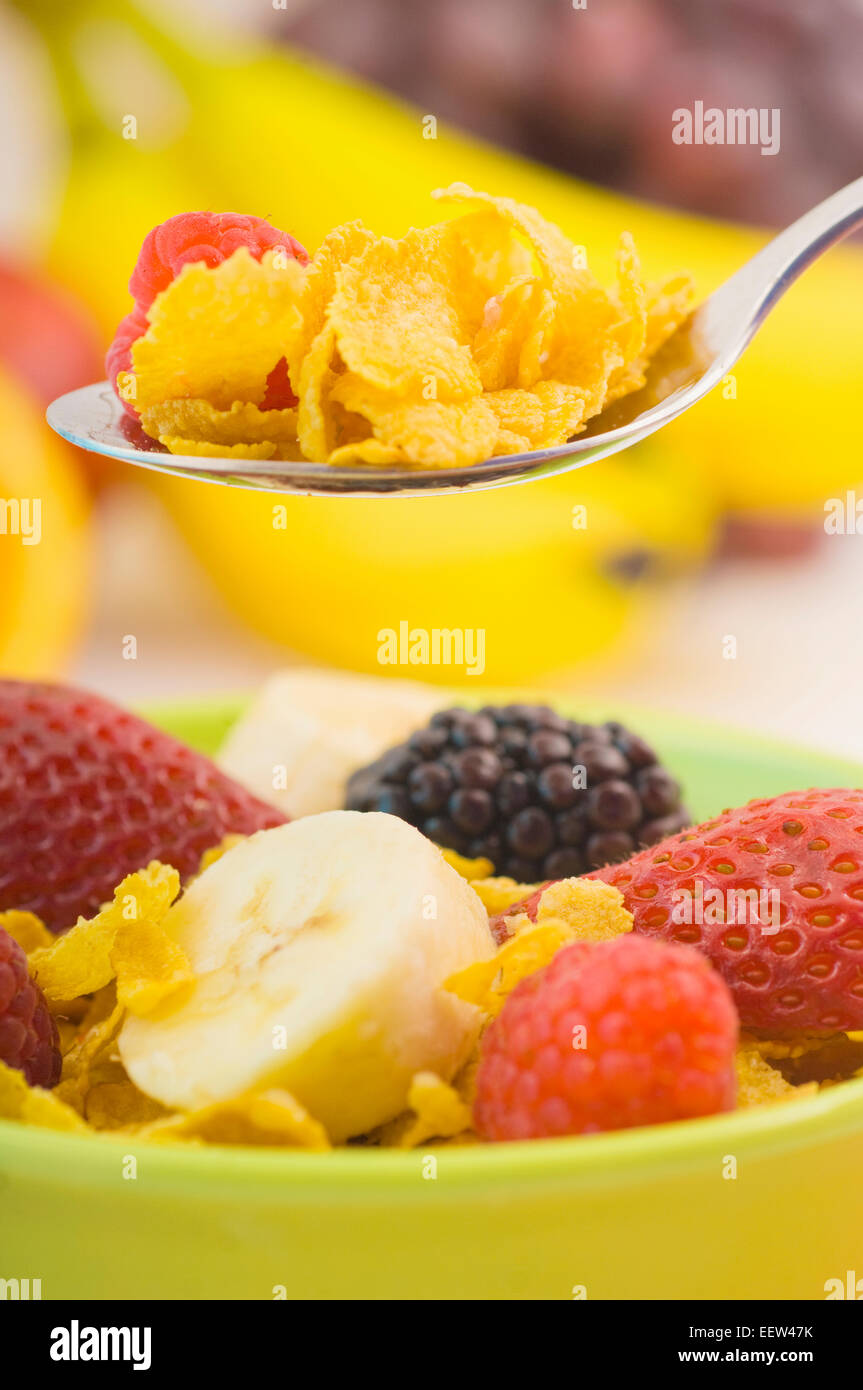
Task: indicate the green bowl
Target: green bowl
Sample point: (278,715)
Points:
(651,1213)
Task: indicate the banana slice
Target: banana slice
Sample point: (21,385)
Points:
(307,731)
(321,948)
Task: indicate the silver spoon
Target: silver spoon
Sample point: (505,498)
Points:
(694,360)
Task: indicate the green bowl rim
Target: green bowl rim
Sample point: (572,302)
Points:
(599,1160)
(222,710)
(595,1160)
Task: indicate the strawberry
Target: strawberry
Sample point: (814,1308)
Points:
(500,924)
(89,793)
(789,870)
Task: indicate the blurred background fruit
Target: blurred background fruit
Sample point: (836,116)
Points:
(211,127)
(43,585)
(46,339)
(551,586)
(120,114)
(50,344)
(589,89)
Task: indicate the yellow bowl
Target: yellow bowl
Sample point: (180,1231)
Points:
(764,1203)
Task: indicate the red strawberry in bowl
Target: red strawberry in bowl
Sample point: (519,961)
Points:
(772,893)
(500,924)
(89,793)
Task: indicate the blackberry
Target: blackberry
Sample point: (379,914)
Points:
(498,783)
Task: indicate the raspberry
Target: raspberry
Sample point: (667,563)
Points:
(186,239)
(772,893)
(28,1033)
(119,355)
(89,793)
(498,784)
(210,237)
(658,1042)
(279,394)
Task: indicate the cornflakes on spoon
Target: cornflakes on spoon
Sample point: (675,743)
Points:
(477,337)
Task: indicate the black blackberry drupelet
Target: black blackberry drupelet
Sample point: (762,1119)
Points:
(503,783)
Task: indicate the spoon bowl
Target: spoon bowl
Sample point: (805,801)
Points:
(690,364)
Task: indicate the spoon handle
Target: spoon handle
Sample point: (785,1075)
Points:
(739,307)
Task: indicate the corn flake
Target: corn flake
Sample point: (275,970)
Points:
(585,316)
(549,413)
(470,869)
(27,929)
(272,1117)
(80,961)
(430,433)
(592,909)
(205,449)
(196,427)
(511,344)
(758,1082)
(216,333)
(489,983)
(33,1106)
(438,1112)
(397,322)
(339,247)
(150,967)
(119,1104)
(216,852)
(371,451)
(573,909)
(483,257)
(315,419)
(81,1062)
(497,894)
(668,304)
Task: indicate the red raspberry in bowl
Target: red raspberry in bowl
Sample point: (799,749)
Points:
(90,793)
(609,1035)
(28,1033)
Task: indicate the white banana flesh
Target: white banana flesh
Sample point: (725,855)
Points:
(321,948)
(307,731)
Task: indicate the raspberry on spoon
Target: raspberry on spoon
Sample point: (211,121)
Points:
(188,239)
(211,237)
